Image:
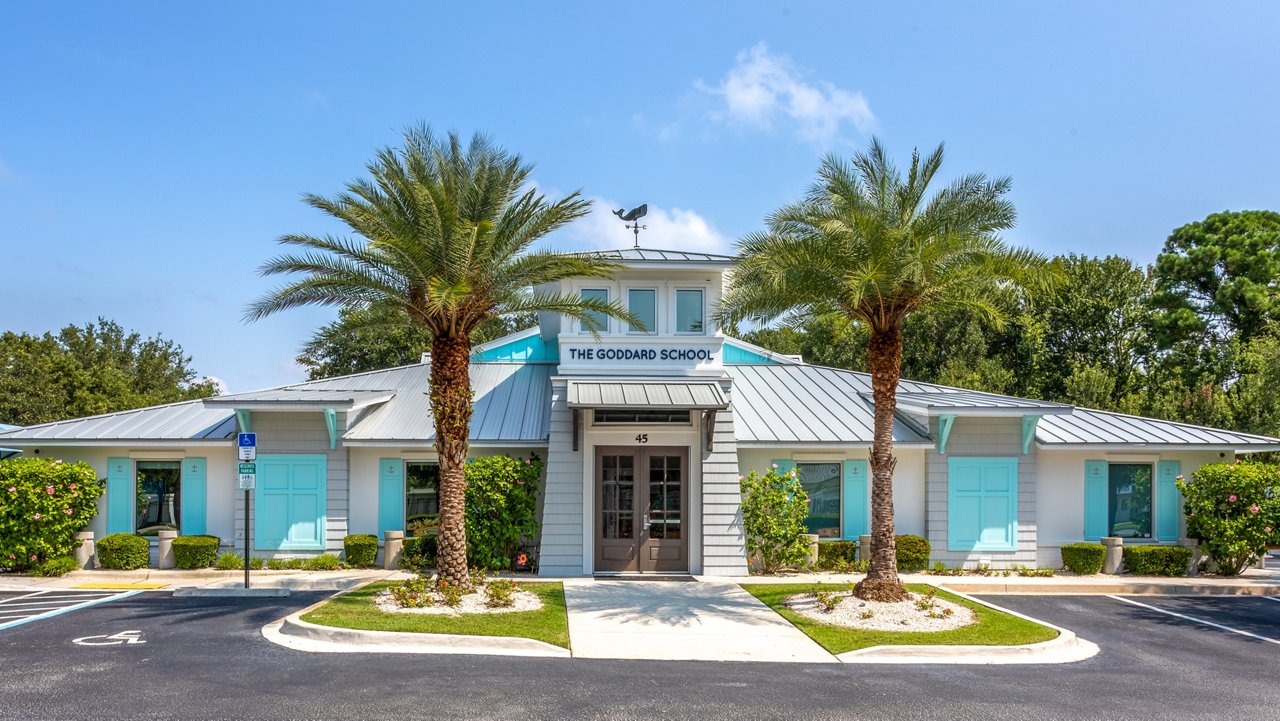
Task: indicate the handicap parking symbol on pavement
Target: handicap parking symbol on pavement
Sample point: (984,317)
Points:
(117,639)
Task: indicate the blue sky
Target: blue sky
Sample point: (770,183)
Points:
(150,153)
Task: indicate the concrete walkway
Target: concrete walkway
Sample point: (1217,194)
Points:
(672,620)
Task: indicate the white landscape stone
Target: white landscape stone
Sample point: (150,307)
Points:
(898,616)
(472,603)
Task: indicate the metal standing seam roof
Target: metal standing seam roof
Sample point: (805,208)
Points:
(652,255)
(1087,427)
(944,399)
(302,395)
(676,394)
(188,420)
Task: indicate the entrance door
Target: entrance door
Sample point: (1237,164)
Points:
(642,494)
(289,503)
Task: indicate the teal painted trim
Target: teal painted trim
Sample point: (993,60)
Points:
(854,521)
(1029,424)
(194,497)
(1095,500)
(944,431)
(733,354)
(331,423)
(289,511)
(242,419)
(122,500)
(531,349)
(982,504)
(1168,500)
(391,499)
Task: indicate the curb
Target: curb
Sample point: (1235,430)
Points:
(1109,589)
(1066,648)
(292,632)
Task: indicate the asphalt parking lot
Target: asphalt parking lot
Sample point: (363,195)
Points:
(156,656)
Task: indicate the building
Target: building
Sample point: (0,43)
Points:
(645,435)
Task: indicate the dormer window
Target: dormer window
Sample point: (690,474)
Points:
(643,303)
(602,320)
(690,310)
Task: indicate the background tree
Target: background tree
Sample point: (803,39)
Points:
(84,371)
(367,339)
(874,246)
(442,231)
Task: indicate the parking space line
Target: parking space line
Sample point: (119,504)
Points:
(65,609)
(1196,620)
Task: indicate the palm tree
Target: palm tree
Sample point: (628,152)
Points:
(443,232)
(870,245)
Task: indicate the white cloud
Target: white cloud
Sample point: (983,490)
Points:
(763,87)
(673,229)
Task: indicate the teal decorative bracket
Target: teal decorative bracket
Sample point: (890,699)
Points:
(242,419)
(944,431)
(1029,424)
(331,422)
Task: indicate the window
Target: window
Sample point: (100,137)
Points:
(643,303)
(602,320)
(159,498)
(643,415)
(822,482)
(689,311)
(422,498)
(1129,500)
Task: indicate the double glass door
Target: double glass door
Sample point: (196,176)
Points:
(641,501)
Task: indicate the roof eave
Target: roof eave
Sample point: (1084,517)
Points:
(1233,447)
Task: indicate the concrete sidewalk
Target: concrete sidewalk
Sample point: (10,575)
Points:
(688,621)
(173,580)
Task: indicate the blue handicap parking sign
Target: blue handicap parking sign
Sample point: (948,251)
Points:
(247,440)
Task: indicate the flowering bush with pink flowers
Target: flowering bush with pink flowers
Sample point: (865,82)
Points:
(43,505)
(774,508)
(502,508)
(1233,509)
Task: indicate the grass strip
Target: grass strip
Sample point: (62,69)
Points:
(356,610)
(993,628)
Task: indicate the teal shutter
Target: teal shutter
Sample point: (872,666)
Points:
(121,499)
(1095,500)
(854,491)
(785,465)
(982,504)
(194,497)
(391,497)
(1168,500)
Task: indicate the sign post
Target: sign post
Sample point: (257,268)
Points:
(247,445)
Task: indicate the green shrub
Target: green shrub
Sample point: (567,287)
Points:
(191,552)
(324,562)
(502,508)
(285,564)
(500,593)
(230,562)
(360,549)
(43,505)
(837,555)
(913,552)
(774,507)
(124,552)
(419,553)
(1083,559)
(1233,509)
(56,567)
(1156,560)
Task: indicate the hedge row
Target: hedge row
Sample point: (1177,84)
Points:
(1083,559)
(1156,560)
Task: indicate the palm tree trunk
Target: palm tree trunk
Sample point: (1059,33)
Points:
(884,359)
(451,404)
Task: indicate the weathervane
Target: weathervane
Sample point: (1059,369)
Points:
(632,219)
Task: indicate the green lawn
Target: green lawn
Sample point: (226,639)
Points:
(992,629)
(356,610)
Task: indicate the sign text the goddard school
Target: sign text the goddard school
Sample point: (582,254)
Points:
(639,354)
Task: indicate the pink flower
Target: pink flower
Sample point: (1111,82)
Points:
(12,556)
(528,462)
(33,556)
(775,465)
(36,517)
(49,490)
(1232,498)
(1254,509)
(73,486)
(67,511)
(1265,530)
(13,489)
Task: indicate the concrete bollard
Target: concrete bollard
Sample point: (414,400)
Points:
(165,551)
(1115,554)
(813,548)
(1193,565)
(86,553)
(392,549)
(864,548)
